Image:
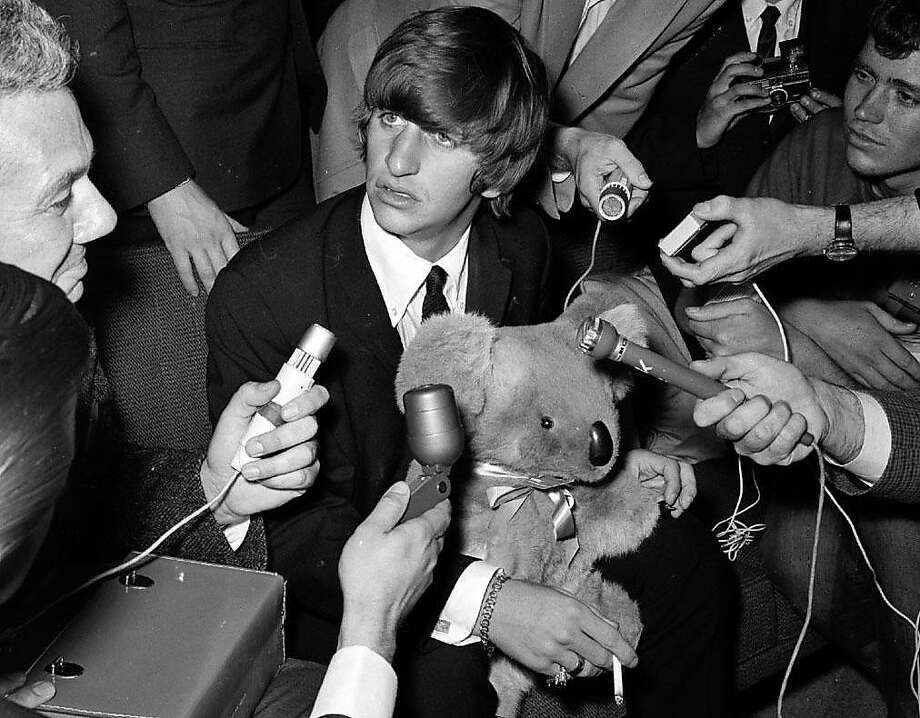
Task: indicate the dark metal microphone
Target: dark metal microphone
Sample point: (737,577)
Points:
(436,439)
(599,339)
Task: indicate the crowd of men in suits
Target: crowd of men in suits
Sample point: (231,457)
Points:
(428,139)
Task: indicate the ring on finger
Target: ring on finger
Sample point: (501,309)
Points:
(560,678)
(578,666)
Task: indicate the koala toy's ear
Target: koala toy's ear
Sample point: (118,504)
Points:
(454,349)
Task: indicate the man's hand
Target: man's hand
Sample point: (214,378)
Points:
(266,483)
(759,233)
(861,338)
(738,325)
(540,626)
(726,102)
(195,231)
(385,567)
(596,158)
(767,411)
(673,479)
(13,686)
(814,102)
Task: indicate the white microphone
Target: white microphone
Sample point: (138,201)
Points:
(296,377)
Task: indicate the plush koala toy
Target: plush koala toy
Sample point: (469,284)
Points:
(536,409)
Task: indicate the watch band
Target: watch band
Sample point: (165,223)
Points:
(842,247)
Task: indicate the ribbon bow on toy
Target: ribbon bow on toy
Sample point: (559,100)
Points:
(513,497)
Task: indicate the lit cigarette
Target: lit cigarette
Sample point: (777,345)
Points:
(617,681)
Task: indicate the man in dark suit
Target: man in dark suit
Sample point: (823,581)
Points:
(198,112)
(443,131)
(702,134)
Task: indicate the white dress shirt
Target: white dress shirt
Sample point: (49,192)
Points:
(869,464)
(787,25)
(359,683)
(400,274)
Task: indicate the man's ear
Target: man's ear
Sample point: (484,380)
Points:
(454,349)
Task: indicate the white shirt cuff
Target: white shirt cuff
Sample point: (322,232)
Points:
(869,464)
(359,683)
(457,621)
(236,534)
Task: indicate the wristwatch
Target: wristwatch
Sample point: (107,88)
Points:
(841,247)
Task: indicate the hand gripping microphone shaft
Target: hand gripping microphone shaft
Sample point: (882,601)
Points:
(600,340)
(296,377)
(436,438)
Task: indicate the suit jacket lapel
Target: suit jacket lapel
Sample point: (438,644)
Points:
(489,277)
(609,54)
(358,316)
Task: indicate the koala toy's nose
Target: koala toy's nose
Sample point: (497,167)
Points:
(601,449)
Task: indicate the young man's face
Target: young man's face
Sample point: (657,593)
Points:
(882,110)
(418,184)
(48,206)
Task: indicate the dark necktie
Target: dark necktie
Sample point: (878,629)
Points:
(435,301)
(766,40)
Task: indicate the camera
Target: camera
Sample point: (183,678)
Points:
(785,78)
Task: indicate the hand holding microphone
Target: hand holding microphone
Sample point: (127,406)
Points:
(613,201)
(296,377)
(436,439)
(600,340)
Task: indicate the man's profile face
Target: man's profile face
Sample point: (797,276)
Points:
(48,206)
(882,111)
(418,183)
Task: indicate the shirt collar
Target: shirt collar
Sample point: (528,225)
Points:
(399,272)
(752,9)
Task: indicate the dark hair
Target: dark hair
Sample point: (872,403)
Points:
(895,28)
(44,347)
(466,72)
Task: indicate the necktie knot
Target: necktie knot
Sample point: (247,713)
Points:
(766,40)
(435,302)
(770,15)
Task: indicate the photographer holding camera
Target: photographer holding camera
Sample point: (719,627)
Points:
(706,131)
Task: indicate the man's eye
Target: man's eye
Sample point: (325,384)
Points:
(62,204)
(390,118)
(862,75)
(443,139)
(907,99)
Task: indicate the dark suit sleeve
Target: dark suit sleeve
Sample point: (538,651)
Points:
(138,157)
(901,479)
(136,494)
(159,487)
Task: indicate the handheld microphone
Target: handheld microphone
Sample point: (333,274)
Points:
(599,339)
(296,377)
(436,438)
(614,200)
